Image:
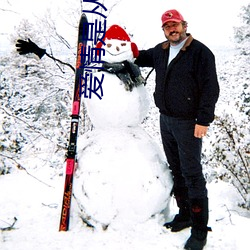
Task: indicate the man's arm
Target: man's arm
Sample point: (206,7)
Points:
(208,87)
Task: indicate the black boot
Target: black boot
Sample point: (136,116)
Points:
(182,220)
(197,240)
(199,215)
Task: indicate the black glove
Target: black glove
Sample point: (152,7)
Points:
(128,72)
(113,68)
(24,47)
(135,73)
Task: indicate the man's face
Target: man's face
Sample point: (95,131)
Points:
(174,32)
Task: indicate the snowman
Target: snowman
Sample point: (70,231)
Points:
(122,178)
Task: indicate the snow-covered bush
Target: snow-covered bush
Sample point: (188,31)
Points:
(242,33)
(230,139)
(231,153)
(35,98)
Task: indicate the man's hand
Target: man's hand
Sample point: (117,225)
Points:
(24,47)
(200,131)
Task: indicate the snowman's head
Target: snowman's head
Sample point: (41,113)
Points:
(118,46)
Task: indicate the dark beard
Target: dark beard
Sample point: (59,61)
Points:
(181,38)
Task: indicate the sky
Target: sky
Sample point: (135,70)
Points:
(210,22)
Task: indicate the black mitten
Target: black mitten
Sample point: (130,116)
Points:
(135,73)
(128,72)
(113,68)
(24,47)
(126,79)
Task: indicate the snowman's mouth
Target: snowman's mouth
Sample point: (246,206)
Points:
(115,54)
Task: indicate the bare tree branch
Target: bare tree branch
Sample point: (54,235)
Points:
(19,166)
(9,11)
(10,227)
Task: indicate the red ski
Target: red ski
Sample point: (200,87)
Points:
(71,153)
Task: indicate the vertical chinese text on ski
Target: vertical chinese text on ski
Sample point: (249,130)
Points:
(91,57)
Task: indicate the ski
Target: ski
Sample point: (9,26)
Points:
(71,160)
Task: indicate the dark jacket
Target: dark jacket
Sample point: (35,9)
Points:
(188,87)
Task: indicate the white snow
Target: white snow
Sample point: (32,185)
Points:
(31,198)
(122,178)
(37,208)
(118,107)
(34,199)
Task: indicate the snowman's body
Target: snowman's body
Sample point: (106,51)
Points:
(122,177)
(118,107)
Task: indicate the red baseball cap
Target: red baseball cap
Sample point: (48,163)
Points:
(171,16)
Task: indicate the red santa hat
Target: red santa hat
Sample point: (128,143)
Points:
(116,32)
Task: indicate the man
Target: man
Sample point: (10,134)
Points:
(186,93)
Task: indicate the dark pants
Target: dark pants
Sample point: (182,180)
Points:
(183,152)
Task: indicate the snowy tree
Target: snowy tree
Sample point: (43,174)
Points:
(242,39)
(242,33)
(230,155)
(35,101)
(36,95)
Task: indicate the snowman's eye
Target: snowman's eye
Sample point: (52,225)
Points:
(109,45)
(123,44)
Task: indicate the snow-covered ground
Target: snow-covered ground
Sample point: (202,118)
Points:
(32,201)
(31,198)
(37,208)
